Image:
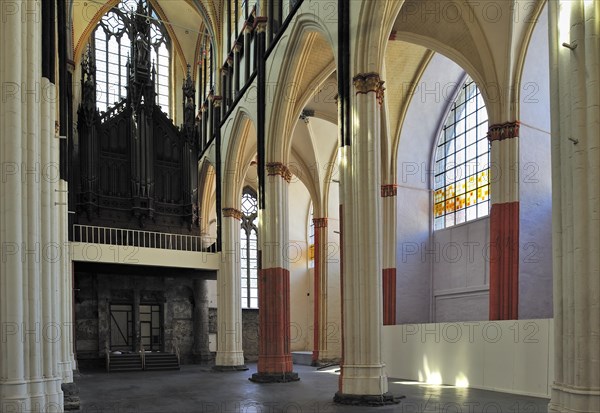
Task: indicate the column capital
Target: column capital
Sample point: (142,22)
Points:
(224,69)
(248,28)
(237,47)
(388,190)
(320,222)
(260,23)
(232,213)
(277,168)
(501,131)
(369,82)
(217,101)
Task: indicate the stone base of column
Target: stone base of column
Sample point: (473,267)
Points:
(229,359)
(366,399)
(566,399)
(71,396)
(36,396)
(242,367)
(286,377)
(66,371)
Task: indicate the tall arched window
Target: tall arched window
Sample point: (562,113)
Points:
(462,161)
(112,45)
(249,249)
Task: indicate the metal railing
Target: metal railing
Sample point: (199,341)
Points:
(143,239)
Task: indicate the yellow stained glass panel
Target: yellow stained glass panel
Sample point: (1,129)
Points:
(482,193)
(471,198)
(450,191)
(482,178)
(460,202)
(449,205)
(471,183)
(439,195)
(439,209)
(460,187)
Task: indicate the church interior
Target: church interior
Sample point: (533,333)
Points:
(338,205)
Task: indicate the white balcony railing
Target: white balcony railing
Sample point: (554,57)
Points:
(143,239)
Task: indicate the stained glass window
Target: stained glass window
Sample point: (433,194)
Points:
(249,249)
(112,45)
(462,159)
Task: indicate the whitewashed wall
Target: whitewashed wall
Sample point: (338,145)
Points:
(507,356)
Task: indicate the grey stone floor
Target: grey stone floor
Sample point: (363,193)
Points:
(196,389)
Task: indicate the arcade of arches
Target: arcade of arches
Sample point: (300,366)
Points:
(406,188)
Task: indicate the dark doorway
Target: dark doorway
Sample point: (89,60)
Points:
(151,327)
(121,327)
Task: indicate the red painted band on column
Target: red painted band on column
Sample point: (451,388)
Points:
(504,261)
(389,296)
(389,190)
(274,321)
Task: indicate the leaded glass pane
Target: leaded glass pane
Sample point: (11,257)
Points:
(249,249)
(462,161)
(112,47)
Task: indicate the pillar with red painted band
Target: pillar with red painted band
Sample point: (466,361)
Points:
(388,199)
(504,221)
(320,290)
(274,350)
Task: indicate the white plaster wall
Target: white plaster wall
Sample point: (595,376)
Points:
(460,260)
(507,356)
(301,294)
(535,189)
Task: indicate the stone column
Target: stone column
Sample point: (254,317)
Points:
(30,379)
(274,356)
(388,199)
(320,291)
(230,355)
(201,351)
(236,69)
(504,221)
(363,379)
(248,52)
(575,105)
(65,287)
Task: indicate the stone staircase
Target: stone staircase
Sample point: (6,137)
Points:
(125,362)
(161,361)
(133,362)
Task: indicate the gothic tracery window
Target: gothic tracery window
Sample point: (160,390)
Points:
(249,249)
(462,160)
(112,45)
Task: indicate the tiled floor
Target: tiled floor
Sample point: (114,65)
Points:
(196,389)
